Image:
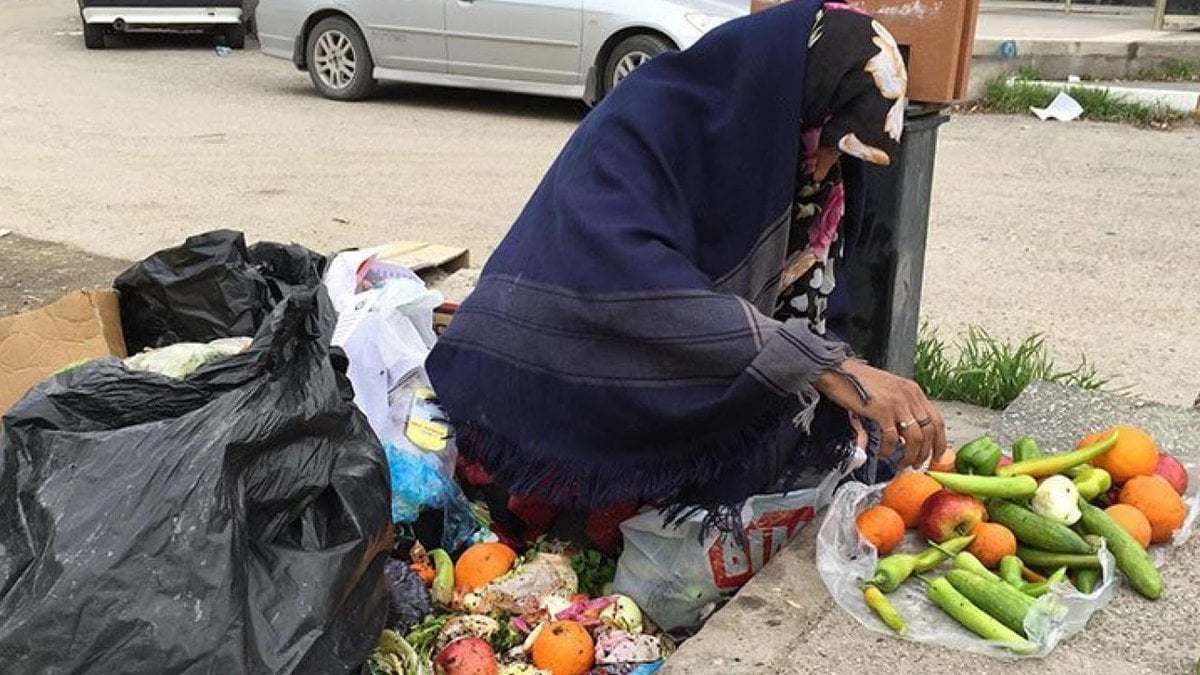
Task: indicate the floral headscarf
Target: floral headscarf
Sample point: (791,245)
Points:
(855,90)
(855,85)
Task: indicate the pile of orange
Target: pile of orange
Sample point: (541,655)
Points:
(1149,508)
(564,648)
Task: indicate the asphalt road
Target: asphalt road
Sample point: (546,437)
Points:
(1087,233)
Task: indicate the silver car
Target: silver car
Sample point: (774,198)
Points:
(564,48)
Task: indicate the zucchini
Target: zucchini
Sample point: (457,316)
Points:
(1052,560)
(1036,531)
(944,595)
(1132,559)
(1001,601)
(1016,487)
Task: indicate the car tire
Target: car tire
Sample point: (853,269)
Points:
(631,53)
(339,61)
(93,35)
(235,36)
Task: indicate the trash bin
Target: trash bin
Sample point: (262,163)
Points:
(876,308)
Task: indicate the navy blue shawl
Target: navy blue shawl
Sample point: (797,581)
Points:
(618,345)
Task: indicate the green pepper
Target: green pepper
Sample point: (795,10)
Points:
(981,457)
(1092,483)
(1026,448)
(968,562)
(894,569)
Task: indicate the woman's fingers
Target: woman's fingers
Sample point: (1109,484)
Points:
(889,438)
(937,429)
(915,444)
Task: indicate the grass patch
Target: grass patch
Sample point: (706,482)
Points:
(983,371)
(1171,70)
(1014,97)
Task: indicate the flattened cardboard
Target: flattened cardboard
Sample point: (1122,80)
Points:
(36,344)
(420,256)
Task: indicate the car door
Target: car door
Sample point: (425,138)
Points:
(406,34)
(526,40)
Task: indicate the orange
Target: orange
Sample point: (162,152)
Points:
(482,564)
(564,648)
(1132,521)
(907,492)
(882,527)
(992,542)
(1158,501)
(944,462)
(1135,453)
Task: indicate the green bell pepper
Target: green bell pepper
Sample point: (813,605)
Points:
(980,457)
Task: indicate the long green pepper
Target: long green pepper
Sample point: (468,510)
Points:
(895,569)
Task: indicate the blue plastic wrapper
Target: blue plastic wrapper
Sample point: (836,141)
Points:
(418,484)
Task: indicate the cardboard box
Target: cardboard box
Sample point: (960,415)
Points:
(37,344)
(936,36)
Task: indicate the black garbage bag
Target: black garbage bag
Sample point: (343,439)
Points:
(210,287)
(237,521)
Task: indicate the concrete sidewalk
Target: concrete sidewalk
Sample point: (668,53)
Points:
(785,622)
(1097,43)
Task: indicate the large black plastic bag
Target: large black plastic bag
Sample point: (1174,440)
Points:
(237,521)
(210,287)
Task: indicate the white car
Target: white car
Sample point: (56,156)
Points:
(564,48)
(101,17)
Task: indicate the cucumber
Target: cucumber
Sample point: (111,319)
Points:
(1001,601)
(944,595)
(1132,559)
(1053,560)
(1036,531)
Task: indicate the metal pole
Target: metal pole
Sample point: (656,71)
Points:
(1160,14)
(1067,6)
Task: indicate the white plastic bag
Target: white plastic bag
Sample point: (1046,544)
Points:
(385,325)
(677,578)
(844,559)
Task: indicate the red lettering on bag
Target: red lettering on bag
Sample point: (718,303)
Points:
(733,565)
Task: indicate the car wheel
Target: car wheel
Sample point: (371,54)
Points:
(235,36)
(632,53)
(339,62)
(93,35)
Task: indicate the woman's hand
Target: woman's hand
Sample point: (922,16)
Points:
(894,403)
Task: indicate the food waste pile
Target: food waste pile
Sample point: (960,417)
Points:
(494,612)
